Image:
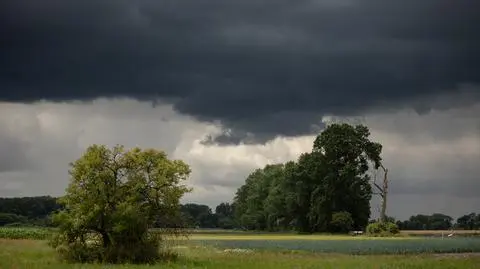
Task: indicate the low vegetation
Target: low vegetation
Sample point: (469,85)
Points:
(382,229)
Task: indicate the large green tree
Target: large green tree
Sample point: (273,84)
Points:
(346,154)
(305,195)
(114,197)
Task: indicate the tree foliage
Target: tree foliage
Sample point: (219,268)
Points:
(342,222)
(469,222)
(435,221)
(27,210)
(113,198)
(196,215)
(304,195)
(9,219)
(224,213)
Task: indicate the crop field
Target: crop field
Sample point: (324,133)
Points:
(287,237)
(25,233)
(440,232)
(432,233)
(340,244)
(352,246)
(267,251)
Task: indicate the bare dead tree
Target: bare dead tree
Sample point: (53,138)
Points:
(382,191)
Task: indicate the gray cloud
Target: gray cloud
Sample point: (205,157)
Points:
(254,66)
(17,135)
(13,156)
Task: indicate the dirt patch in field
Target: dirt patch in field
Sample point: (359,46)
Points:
(11,242)
(457,255)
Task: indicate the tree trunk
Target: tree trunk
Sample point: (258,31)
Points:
(383,213)
(105,239)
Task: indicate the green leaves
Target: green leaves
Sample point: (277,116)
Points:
(117,194)
(342,222)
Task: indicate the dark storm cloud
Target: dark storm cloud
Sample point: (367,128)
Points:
(243,63)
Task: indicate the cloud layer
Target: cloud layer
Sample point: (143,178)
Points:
(261,68)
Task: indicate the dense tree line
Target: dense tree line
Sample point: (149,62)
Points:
(435,221)
(37,210)
(202,216)
(469,222)
(27,210)
(438,221)
(327,189)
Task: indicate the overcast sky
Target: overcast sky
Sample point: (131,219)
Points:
(229,86)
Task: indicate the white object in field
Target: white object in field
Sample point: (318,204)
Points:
(452,233)
(357,232)
(449,235)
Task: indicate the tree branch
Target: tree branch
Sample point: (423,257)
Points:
(383,167)
(378,187)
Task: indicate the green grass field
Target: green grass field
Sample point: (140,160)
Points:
(36,254)
(266,251)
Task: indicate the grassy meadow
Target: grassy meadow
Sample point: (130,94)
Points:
(27,248)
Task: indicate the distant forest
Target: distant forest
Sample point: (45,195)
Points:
(36,211)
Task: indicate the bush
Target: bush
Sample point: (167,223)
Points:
(342,222)
(142,250)
(374,228)
(392,228)
(382,229)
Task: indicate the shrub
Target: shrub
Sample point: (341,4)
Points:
(142,250)
(374,228)
(342,222)
(382,229)
(392,228)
